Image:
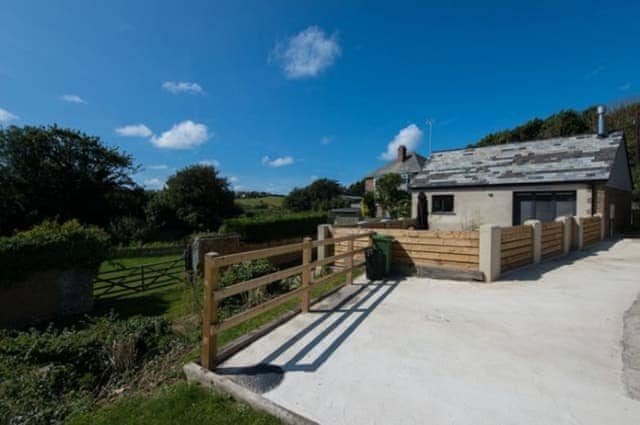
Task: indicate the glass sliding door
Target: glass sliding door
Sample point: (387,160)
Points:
(543,206)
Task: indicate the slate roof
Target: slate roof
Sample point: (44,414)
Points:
(564,159)
(411,165)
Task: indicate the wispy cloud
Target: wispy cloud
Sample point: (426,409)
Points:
(307,53)
(158,167)
(184,135)
(6,116)
(72,98)
(277,162)
(178,87)
(326,140)
(594,72)
(233,179)
(625,87)
(134,130)
(210,162)
(154,183)
(410,136)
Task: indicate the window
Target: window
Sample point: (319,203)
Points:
(442,203)
(543,206)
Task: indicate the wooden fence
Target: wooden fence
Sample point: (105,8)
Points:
(516,248)
(124,281)
(444,249)
(211,326)
(552,239)
(591,230)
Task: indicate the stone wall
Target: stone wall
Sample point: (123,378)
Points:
(45,295)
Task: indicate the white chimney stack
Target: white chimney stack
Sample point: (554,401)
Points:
(602,129)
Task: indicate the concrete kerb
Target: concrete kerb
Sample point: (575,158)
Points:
(196,373)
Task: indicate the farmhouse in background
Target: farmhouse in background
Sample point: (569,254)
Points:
(508,184)
(407,164)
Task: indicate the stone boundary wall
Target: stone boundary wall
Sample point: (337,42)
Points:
(45,295)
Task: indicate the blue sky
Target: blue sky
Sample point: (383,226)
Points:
(277,93)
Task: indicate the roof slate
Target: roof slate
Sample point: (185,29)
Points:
(413,164)
(564,159)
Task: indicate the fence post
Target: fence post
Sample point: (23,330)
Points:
(566,234)
(210,312)
(349,279)
(490,251)
(324,232)
(536,226)
(306,274)
(580,232)
(603,227)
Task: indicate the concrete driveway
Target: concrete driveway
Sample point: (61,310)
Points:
(542,346)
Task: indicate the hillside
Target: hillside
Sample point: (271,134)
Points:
(571,122)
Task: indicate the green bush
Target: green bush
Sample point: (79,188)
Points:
(51,245)
(268,228)
(48,373)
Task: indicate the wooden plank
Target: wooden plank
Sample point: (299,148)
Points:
(253,312)
(517,251)
(240,257)
(350,237)
(435,263)
(435,234)
(516,237)
(435,248)
(516,244)
(257,282)
(334,258)
(438,256)
(438,242)
(517,259)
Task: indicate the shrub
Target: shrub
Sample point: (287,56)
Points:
(48,373)
(267,228)
(51,245)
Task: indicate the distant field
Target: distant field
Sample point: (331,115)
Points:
(257,203)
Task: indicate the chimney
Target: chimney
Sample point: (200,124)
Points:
(602,129)
(402,153)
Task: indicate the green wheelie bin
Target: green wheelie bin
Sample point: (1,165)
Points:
(383,243)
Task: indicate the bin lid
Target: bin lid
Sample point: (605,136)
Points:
(382,237)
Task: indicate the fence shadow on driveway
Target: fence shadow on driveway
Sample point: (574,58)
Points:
(533,272)
(327,332)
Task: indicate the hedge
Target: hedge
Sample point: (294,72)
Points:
(268,228)
(51,245)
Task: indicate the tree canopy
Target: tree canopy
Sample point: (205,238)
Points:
(52,172)
(320,195)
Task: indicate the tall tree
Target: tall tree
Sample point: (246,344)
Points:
(194,199)
(320,195)
(393,200)
(52,172)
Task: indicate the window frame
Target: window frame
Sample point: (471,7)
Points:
(442,199)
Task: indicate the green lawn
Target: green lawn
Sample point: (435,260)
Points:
(179,404)
(265,202)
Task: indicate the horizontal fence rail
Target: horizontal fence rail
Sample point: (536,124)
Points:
(125,281)
(213,295)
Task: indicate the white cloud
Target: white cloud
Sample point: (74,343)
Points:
(134,130)
(410,136)
(625,87)
(176,87)
(326,140)
(6,116)
(158,167)
(154,183)
(277,162)
(185,135)
(209,162)
(307,54)
(72,98)
(233,179)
